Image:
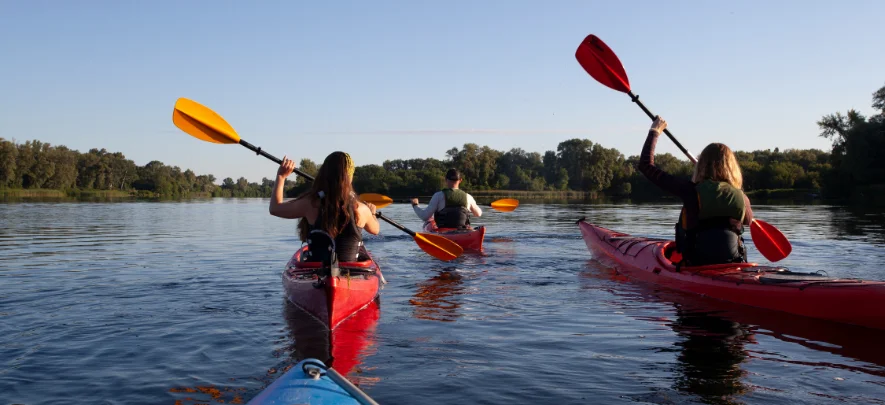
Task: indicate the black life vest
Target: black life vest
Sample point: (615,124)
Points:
(718,235)
(346,245)
(455,213)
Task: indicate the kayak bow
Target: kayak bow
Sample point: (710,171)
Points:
(311,382)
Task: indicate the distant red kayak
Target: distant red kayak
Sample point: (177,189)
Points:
(850,301)
(469,239)
(331,299)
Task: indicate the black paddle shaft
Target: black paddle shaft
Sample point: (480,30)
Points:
(635,99)
(258,151)
(395,225)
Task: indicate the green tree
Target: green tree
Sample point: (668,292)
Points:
(308,166)
(65,175)
(783,174)
(857,145)
(8,164)
(574,156)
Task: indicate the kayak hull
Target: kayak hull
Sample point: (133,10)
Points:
(468,239)
(331,299)
(851,301)
(298,387)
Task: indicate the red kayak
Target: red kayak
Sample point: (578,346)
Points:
(469,239)
(332,298)
(850,301)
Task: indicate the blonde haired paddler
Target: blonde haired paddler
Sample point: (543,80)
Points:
(714,206)
(329,209)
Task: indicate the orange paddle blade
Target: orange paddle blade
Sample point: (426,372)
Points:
(379,200)
(770,241)
(438,246)
(200,122)
(505,204)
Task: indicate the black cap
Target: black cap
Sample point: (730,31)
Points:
(453,175)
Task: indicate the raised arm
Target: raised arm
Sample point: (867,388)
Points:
(291,209)
(367,219)
(666,181)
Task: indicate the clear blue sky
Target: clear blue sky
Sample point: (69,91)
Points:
(401,79)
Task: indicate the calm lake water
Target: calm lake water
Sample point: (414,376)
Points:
(182,303)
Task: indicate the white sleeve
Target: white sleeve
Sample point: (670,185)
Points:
(473,207)
(437,202)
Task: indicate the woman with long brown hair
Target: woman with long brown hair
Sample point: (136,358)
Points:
(330,207)
(714,206)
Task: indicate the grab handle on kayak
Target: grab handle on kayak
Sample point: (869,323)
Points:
(315,369)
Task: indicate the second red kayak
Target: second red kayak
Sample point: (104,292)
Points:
(332,298)
(850,301)
(469,239)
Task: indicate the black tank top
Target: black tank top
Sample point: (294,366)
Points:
(347,243)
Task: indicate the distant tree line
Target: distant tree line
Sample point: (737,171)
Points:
(38,165)
(857,159)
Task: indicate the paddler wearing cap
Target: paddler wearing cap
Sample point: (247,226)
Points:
(329,210)
(450,207)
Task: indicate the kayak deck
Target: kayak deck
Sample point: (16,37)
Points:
(469,239)
(331,298)
(310,382)
(852,301)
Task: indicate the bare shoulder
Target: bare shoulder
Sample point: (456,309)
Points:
(362,212)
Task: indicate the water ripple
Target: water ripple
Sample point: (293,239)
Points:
(180,302)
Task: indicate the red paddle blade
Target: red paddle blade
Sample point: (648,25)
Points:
(601,63)
(770,241)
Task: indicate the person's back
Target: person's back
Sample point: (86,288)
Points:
(346,242)
(454,214)
(330,213)
(451,207)
(714,210)
(716,236)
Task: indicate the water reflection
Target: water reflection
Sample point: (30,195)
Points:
(710,355)
(717,337)
(436,298)
(343,348)
(858,220)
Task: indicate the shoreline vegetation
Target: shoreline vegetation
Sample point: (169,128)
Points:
(579,169)
(482,195)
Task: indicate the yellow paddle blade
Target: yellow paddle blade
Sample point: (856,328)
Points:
(505,204)
(379,200)
(438,246)
(200,122)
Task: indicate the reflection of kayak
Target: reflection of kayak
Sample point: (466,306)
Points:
(311,382)
(331,298)
(469,239)
(437,299)
(823,336)
(849,301)
(343,347)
